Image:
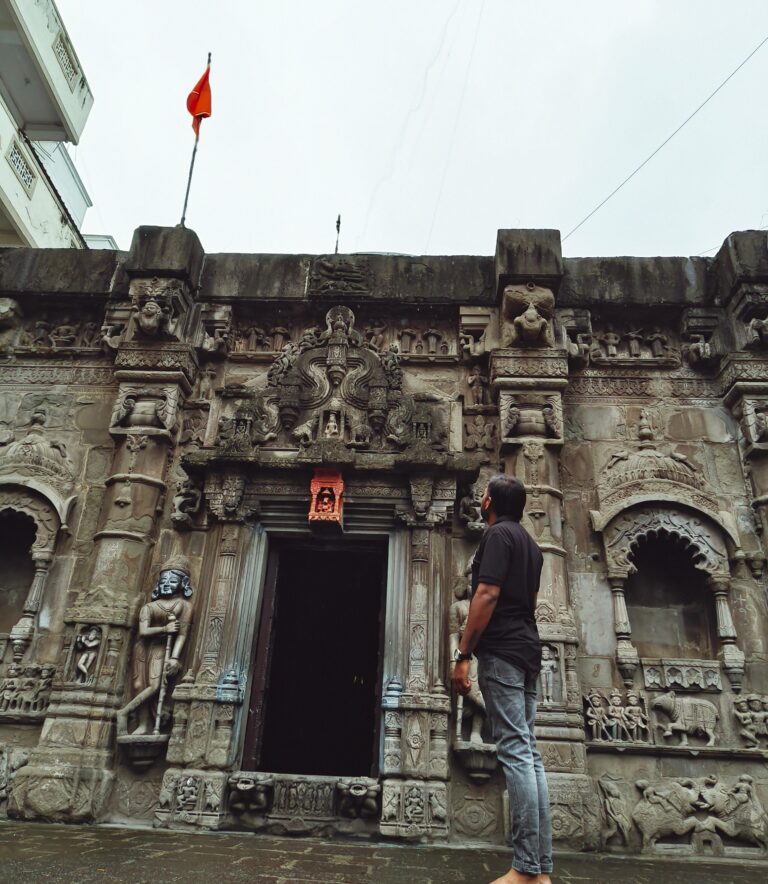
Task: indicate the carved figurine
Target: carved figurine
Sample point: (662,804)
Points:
(745,723)
(635,719)
(374,336)
(688,716)
(331,427)
(480,434)
(304,433)
(87,644)
(547,677)
(611,341)
(616,718)
(617,821)
(474,703)
(186,502)
(470,512)
(150,317)
(698,350)
(596,717)
(63,335)
(10,317)
(634,339)
(758,332)
(279,337)
(658,342)
(478,383)
(164,624)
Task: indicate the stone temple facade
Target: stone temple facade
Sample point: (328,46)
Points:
(239,495)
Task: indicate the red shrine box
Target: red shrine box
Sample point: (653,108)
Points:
(327,496)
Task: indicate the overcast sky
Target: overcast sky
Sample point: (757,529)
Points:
(428,124)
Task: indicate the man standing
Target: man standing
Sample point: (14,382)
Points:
(501,629)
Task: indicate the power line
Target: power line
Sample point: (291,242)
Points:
(412,111)
(666,141)
(455,127)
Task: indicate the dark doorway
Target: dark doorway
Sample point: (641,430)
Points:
(315,698)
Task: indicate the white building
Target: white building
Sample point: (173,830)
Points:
(45,100)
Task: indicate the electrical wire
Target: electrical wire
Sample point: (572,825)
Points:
(455,127)
(665,142)
(412,111)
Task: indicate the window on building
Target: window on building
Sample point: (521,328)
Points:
(671,610)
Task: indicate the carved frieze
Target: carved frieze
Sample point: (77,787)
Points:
(616,718)
(413,808)
(26,691)
(682,675)
(700,815)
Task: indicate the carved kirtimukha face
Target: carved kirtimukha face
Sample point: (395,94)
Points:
(169,583)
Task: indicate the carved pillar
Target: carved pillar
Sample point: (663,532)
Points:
(415,752)
(208,701)
(70,773)
(626,653)
(731,655)
(22,632)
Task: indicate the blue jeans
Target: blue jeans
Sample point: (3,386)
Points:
(510,699)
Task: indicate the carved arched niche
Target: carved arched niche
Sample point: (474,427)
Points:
(705,542)
(47,525)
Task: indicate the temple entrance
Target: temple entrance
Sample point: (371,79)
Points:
(314,706)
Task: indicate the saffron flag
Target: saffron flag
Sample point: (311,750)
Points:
(199,100)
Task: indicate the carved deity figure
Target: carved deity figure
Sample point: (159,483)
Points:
(617,821)
(87,644)
(331,426)
(547,676)
(150,317)
(596,717)
(635,719)
(480,434)
(616,718)
(611,342)
(474,703)
(658,342)
(634,339)
(164,624)
(478,383)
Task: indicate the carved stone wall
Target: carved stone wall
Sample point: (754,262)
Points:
(164,405)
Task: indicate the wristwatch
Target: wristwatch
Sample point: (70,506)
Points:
(457,656)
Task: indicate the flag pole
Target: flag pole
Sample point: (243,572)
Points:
(189,180)
(192,163)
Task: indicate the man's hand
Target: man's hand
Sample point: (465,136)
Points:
(460,678)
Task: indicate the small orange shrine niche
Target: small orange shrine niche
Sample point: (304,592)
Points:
(327,497)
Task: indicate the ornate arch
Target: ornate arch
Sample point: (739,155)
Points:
(39,509)
(703,538)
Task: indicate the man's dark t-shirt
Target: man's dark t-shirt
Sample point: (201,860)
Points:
(508,557)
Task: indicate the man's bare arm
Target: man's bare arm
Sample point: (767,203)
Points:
(480,610)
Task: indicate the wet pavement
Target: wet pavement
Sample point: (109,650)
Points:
(36,852)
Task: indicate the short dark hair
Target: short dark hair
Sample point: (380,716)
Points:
(507,495)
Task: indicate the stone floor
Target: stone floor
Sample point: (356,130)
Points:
(32,853)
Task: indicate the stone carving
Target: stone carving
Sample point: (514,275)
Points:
(623,534)
(146,408)
(478,384)
(12,759)
(615,812)
(474,814)
(226,496)
(706,809)
(250,796)
(687,716)
(413,807)
(527,311)
(477,756)
(549,667)
(682,675)
(326,497)
(26,690)
(617,718)
(186,503)
(333,388)
(479,434)
(751,716)
(38,455)
(10,321)
(156,304)
(164,624)
(530,414)
(87,646)
(334,274)
(358,798)
(630,348)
